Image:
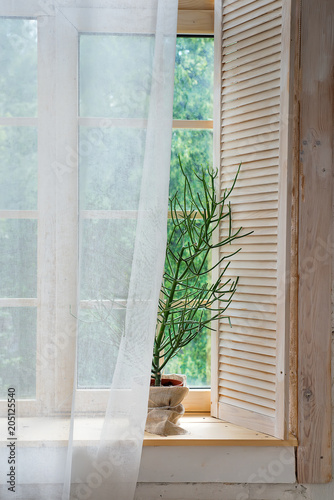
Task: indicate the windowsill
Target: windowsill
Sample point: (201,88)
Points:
(203,430)
(213,451)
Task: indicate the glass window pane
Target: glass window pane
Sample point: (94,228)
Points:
(18,351)
(107,251)
(194,147)
(100,330)
(18,168)
(194,360)
(18,62)
(115,75)
(193,91)
(18,258)
(111,163)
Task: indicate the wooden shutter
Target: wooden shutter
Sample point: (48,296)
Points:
(252,355)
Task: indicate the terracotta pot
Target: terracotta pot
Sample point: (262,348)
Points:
(166,382)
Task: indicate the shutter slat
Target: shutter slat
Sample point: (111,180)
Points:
(266,28)
(254,314)
(248,356)
(248,120)
(269,325)
(240,17)
(255,218)
(250,176)
(256,290)
(249,264)
(250,61)
(249,108)
(257,140)
(256,188)
(244,347)
(262,388)
(244,405)
(250,199)
(251,99)
(242,133)
(239,305)
(255,273)
(262,206)
(237,56)
(260,235)
(246,372)
(257,365)
(252,67)
(256,341)
(249,94)
(235,160)
(239,8)
(230,5)
(239,46)
(259,23)
(230,87)
(258,332)
(250,248)
(262,404)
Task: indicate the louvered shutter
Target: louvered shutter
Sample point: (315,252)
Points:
(252,355)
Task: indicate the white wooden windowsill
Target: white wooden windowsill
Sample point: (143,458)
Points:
(203,430)
(213,451)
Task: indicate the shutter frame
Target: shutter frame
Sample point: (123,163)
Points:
(270,159)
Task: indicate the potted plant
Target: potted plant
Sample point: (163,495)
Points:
(189,301)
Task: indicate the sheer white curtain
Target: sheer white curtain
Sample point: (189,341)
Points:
(86,98)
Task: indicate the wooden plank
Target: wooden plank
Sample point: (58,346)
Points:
(195,22)
(208,431)
(193,124)
(196,4)
(315,223)
(294,278)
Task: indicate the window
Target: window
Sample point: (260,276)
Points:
(243,40)
(19,293)
(252,109)
(192,142)
(80,140)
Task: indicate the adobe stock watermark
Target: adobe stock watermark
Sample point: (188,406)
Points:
(103,470)
(269,474)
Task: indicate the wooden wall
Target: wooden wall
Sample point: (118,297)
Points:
(315,241)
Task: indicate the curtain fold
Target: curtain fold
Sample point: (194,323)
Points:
(104,91)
